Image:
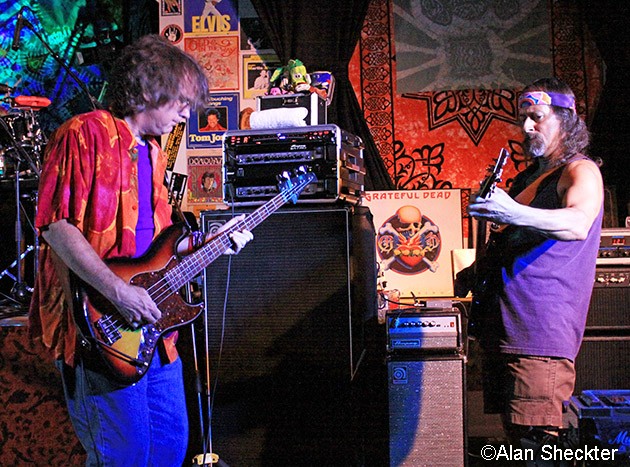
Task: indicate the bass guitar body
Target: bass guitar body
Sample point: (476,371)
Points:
(128,352)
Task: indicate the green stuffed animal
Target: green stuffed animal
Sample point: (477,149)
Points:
(291,78)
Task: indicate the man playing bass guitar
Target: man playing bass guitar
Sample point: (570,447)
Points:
(102,196)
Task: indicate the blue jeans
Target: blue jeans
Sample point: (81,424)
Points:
(144,424)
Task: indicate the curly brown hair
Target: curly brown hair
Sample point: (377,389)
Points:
(152,72)
(576,135)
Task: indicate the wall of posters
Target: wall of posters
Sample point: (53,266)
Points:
(416,233)
(226,37)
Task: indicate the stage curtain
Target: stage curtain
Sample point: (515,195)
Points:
(323,35)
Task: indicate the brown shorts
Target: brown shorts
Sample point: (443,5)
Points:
(528,390)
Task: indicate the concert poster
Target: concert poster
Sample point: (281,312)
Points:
(257,71)
(205,182)
(210,17)
(416,233)
(219,57)
(206,127)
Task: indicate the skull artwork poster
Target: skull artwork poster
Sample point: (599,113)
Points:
(408,242)
(416,233)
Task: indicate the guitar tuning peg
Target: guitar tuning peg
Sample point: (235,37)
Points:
(301,170)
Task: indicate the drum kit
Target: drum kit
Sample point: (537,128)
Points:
(22,142)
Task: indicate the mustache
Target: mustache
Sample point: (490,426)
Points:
(532,136)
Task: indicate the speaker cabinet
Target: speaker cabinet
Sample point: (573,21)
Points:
(426,411)
(603,363)
(285,336)
(605,352)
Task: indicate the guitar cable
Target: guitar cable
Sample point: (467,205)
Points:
(211,388)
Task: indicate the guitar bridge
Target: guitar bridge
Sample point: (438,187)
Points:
(108,330)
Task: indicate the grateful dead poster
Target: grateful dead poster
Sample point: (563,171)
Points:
(416,231)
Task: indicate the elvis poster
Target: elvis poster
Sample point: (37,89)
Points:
(210,17)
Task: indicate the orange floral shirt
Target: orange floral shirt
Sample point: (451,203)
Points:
(89,178)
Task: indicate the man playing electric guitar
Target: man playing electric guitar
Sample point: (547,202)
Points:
(102,196)
(543,267)
(480,274)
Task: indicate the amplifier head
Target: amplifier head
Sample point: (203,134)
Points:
(614,247)
(252,160)
(424,330)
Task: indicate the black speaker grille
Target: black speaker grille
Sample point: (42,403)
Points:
(610,308)
(290,341)
(603,363)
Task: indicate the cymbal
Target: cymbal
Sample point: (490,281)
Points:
(31,102)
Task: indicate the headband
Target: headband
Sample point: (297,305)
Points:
(546,98)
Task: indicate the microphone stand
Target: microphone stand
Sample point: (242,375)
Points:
(93,101)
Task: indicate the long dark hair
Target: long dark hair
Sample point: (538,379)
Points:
(576,135)
(151,72)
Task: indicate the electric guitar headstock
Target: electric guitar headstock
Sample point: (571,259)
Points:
(291,185)
(495,171)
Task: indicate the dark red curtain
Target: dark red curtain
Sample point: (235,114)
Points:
(323,35)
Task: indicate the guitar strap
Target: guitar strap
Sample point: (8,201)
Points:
(526,196)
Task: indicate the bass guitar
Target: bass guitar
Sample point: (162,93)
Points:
(127,352)
(481,268)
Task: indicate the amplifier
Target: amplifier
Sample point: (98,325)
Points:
(610,300)
(614,247)
(252,160)
(421,329)
(612,277)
